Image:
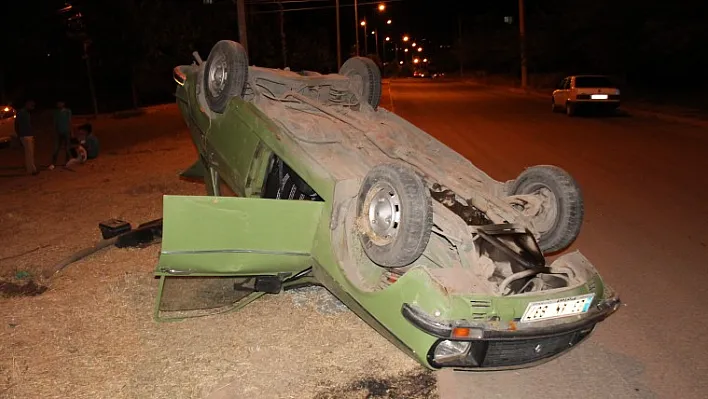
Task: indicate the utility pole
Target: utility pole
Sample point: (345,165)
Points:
(339,39)
(90,77)
(522,39)
(356,25)
(460,47)
(283,43)
(366,40)
(376,36)
(242,34)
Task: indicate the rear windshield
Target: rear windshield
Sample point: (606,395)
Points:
(592,81)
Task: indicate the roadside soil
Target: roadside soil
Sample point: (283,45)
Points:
(88,332)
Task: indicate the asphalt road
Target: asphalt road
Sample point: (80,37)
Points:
(646,202)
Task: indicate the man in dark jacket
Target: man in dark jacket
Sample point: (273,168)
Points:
(23,128)
(62,132)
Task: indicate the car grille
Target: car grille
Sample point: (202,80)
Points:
(520,351)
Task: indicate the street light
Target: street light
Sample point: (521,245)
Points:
(366,37)
(405,50)
(388,22)
(413,45)
(425,60)
(382,7)
(400,62)
(420,49)
(405,38)
(415,61)
(388,38)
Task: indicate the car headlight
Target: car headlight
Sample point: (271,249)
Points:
(450,350)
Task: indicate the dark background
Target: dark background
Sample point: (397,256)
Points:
(656,49)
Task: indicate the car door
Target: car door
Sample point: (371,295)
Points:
(231,250)
(559,96)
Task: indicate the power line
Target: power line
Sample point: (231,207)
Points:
(316,7)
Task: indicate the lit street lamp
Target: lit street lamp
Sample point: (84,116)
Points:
(420,49)
(425,60)
(388,22)
(413,45)
(405,50)
(415,61)
(405,38)
(382,7)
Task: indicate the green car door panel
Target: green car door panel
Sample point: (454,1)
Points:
(226,235)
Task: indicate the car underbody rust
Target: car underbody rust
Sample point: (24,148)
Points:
(470,214)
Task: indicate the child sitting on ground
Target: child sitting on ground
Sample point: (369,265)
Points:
(83,146)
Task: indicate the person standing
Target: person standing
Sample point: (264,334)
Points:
(23,128)
(62,132)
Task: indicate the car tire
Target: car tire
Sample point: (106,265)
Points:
(395,215)
(563,198)
(366,76)
(225,74)
(570,109)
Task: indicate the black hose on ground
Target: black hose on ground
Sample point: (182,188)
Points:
(76,256)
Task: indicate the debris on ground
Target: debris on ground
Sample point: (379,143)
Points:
(417,384)
(8,289)
(322,300)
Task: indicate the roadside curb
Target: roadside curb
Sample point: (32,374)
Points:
(638,111)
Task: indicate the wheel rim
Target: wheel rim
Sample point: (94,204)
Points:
(384,212)
(218,75)
(549,210)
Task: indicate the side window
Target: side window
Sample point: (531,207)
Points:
(561,84)
(283,183)
(567,83)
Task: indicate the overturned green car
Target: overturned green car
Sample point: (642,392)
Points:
(310,182)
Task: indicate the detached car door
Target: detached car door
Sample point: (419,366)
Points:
(260,244)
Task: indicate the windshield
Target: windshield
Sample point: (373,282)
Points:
(592,81)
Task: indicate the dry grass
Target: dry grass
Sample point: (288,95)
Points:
(91,335)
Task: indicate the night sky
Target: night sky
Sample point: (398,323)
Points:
(138,42)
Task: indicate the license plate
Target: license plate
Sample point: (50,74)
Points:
(557,308)
(598,96)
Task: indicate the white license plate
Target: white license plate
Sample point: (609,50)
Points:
(556,308)
(598,96)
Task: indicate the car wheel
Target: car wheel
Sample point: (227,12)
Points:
(395,215)
(225,74)
(562,209)
(365,79)
(570,109)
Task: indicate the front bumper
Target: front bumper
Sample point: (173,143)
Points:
(486,349)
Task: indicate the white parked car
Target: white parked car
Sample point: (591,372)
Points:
(576,91)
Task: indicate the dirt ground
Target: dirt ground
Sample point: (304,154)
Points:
(91,333)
